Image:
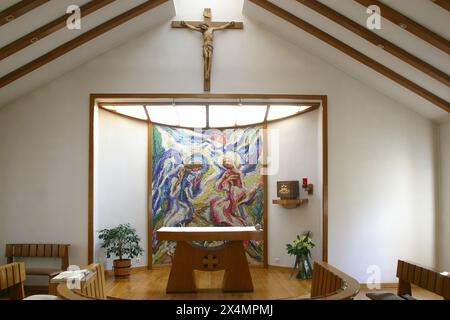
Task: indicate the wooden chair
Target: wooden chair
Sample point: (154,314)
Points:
(95,286)
(91,289)
(40,251)
(12,278)
(329,283)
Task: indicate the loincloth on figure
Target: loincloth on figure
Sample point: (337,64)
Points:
(208,48)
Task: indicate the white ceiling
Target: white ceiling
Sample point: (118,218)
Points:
(423,11)
(54,9)
(391,32)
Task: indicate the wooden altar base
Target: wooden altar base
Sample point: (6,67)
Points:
(231,258)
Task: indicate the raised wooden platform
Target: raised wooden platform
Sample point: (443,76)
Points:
(272,283)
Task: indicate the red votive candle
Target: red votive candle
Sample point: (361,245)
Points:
(305,181)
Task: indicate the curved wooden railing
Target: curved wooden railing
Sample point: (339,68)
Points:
(330,283)
(64,293)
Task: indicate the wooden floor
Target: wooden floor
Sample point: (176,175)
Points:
(272,283)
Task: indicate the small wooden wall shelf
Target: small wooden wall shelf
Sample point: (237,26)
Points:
(290,203)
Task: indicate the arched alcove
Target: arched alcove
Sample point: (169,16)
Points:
(281,123)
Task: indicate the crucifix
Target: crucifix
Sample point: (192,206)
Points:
(207,28)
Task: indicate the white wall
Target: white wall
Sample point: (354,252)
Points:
(444,204)
(121,178)
(381,186)
(298,157)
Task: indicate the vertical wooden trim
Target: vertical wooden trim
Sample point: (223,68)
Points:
(266,198)
(325,178)
(91,181)
(150,193)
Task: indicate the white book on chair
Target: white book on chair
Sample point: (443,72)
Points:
(72,275)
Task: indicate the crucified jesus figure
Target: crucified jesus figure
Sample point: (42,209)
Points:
(208,38)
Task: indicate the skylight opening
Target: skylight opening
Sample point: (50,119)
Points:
(202,115)
(221,116)
(283,111)
(132,111)
(163,114)
(191,116)
(251,114)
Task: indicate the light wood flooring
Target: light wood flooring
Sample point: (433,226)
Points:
(271,283)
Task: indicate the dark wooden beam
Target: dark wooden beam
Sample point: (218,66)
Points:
(341,46)
(409,25)
(20,8)
(49,28)
(443,4)
(377,40)
(79,41)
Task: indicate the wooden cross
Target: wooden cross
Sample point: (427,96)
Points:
(207,28)
(210,261)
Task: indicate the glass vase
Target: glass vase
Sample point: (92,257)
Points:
(304,267)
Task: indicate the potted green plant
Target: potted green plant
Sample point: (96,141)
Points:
(124,243)
(301,249)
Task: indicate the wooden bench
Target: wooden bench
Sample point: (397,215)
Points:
(329,283)
(12,277)
(40,251)
(410,273)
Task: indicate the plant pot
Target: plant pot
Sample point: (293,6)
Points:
(122,268)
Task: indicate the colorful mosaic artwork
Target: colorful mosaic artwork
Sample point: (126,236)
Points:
(206,178)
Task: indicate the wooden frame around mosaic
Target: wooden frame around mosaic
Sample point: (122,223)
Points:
(93,104)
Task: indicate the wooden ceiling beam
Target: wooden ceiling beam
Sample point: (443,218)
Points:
(49,28)
(79,41)
(409,25)
(341,46)
(20,8)
(443,4)
(377,40)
